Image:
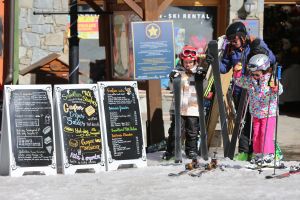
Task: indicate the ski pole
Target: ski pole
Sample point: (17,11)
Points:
(278,78)
(251,129)
(266,127)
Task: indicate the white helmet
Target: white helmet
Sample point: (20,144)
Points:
(259,62)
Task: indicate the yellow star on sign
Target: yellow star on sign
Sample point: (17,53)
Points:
(152,31)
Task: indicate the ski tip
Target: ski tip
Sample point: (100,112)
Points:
(172,174)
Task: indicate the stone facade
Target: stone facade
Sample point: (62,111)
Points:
(40,35)
(237,10)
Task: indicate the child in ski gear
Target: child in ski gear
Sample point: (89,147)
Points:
(262,106)
(240,46)
(189,106)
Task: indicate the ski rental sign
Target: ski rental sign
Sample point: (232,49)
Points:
(153,49)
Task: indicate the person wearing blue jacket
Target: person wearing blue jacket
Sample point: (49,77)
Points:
(241,46)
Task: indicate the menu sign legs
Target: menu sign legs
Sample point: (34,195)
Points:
(122,124)
(28,136)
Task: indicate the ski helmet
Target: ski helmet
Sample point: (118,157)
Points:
(188,53)
(259,62)
(236,28)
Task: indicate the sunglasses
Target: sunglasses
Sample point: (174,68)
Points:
(188,52)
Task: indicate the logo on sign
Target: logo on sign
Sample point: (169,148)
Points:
(152,31)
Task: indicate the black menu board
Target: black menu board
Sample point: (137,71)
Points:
(31,127)
(123,122)
(80,126)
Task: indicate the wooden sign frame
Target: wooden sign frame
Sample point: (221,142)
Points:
(63,163)
(8,165)
(111,163)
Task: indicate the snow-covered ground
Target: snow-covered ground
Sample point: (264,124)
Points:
(153,182)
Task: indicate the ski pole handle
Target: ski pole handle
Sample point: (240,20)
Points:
(279,72)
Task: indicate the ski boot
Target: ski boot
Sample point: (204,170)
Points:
(242,156)
(192,165)
(256,159)
(191,155)
(167,155)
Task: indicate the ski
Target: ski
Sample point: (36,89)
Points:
(177,99)
(213,50)
(180,173)
(201,172)
(203,131)
(238,124)
(189,167)
(293,170)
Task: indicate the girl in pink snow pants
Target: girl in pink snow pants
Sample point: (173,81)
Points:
(262,105)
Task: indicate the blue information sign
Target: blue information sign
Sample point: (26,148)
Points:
(153,49)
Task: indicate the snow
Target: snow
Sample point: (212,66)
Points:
(153,182)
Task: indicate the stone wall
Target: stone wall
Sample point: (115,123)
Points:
(40,35)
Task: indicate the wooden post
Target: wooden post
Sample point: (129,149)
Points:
(155,126)
(73,44)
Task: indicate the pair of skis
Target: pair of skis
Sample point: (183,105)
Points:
(195,169)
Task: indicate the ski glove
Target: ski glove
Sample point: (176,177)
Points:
(237,74)
(174,73)
(201,71)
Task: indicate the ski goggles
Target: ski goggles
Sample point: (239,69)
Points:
(252,68)
(262,67)
(188,52)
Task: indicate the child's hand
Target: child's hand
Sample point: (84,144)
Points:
(274,88)
(238,67)
(174,73)
(209,96)
(272,83)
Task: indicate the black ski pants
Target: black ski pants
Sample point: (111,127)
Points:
(245,145)
(189,127)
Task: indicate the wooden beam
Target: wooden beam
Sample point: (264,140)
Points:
(94,5)
(135,7)
(163,6)
(222,18)
(281,2)
(151,9)
(98,2)
(106,34)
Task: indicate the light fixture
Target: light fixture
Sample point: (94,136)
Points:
(250,6)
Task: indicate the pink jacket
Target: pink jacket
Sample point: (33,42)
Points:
(262,98)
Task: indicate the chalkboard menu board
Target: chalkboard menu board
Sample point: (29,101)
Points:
(31,127)
(122,120)
(80,124)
